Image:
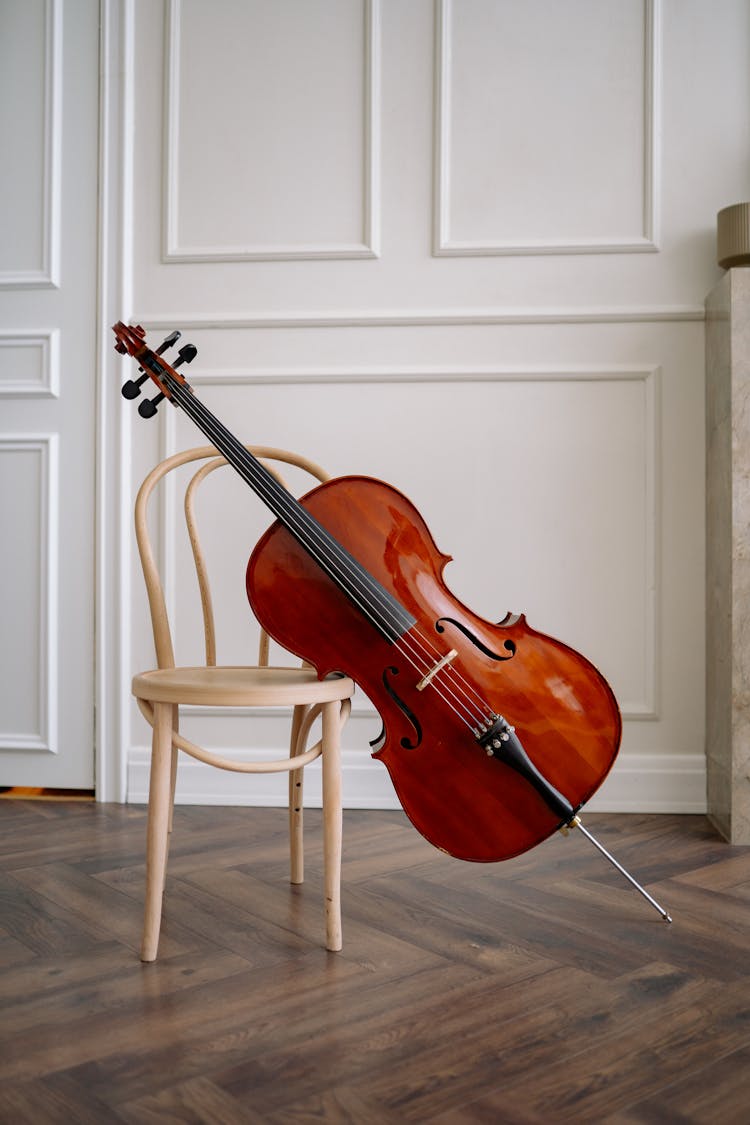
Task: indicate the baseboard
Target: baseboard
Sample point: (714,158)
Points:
(658,783)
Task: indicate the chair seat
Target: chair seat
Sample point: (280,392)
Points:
(236,686)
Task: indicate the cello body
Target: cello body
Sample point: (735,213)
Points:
(462,799)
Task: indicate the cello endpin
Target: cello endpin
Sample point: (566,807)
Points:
(575,822)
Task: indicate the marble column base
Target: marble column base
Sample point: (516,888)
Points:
(728,555)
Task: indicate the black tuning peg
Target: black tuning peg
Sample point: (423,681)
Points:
(132,388)
(171,339)
(186,354)
(147,408)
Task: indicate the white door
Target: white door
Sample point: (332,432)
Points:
(49,54)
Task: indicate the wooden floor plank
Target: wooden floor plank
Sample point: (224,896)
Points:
(643,1059)
(96,910)
(42,926)
(53,1101)
(526,1033)
(196,1101)
(540,989)
(717,1092)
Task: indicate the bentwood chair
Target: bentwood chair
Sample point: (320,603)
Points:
(161,691)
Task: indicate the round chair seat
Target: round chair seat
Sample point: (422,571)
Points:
(240,687)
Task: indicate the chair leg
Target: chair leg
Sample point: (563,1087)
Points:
(173,766)
(296,811)
(332,823)
(158,827)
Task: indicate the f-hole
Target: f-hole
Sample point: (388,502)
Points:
(408,744)
(509,646)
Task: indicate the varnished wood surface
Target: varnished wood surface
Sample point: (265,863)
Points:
(542,989)
(474,806)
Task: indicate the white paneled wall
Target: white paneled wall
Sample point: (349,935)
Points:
(462,246)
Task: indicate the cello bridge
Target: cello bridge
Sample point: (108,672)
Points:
(430,676)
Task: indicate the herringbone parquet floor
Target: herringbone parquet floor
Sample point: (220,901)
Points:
(543,989)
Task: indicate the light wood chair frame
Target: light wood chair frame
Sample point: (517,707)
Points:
(160,692)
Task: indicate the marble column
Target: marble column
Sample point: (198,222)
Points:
(728,555)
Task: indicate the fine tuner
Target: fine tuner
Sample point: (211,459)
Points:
(132,388)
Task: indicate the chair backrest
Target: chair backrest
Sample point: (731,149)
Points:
(211,460)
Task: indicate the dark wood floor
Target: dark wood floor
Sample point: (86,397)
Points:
(543,989)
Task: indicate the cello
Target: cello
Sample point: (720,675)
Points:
(494,735)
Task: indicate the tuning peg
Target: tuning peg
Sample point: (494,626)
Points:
(171,339)
(186,354)
(132,388)
(147,408)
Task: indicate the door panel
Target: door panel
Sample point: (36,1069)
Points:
(49,98)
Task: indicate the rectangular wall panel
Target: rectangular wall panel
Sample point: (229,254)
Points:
(519,508)
(527,94)
(28,609)
(30,140)
(272,116)
(29,365)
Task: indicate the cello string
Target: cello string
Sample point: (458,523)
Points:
(214,429)
(296,518)
(263,483)
(299,521)
(460,685)
(225,439)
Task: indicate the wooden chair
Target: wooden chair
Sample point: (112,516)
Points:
(160,693)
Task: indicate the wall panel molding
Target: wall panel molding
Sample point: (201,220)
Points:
(646,240)
(645,707)
(368,247)
(44,738)
(113,665)
(47,275)
(41,351)
(427,318)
